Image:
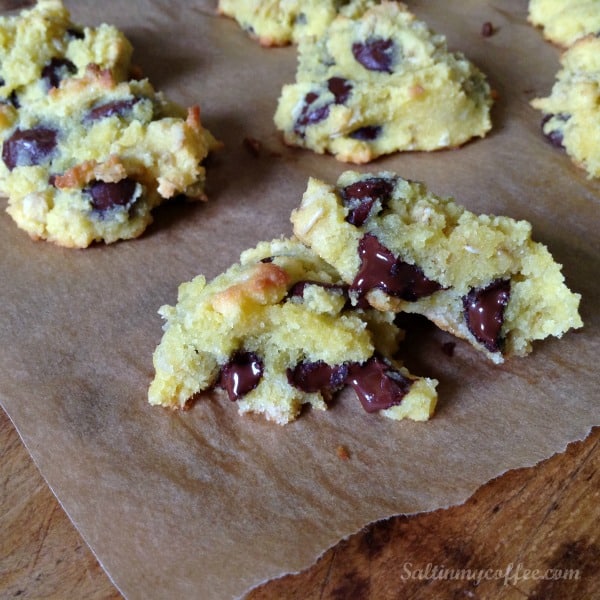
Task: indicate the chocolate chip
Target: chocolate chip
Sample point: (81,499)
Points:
(56,70)
(13,99)
(360,196)
(110,109)
(241,374)
(555,137)
(28,147)
(380,269)
(367,133)
(484,313)
(308,116)
(340,88)
(487,29)
(106,195)
(376,54)
(311,377)
(377,384)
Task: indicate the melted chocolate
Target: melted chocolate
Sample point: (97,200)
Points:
(381,269)
(56,70)
(311,377)
(241,374)
(484,313)
(360,196)
(107,195)
(376,54)
(29,147)
(367,133)
(377,384)
(110,109)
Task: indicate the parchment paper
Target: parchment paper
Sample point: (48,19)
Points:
(206,504)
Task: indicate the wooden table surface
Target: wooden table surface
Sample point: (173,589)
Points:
(532,533)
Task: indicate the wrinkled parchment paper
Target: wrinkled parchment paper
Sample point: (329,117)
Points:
(207,504)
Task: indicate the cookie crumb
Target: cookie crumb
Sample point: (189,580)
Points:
(487,29)
(342,452)
(252,145)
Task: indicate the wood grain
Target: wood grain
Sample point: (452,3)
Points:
(543,521)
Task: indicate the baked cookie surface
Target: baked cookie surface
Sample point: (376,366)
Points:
(275,331)
(565,21)
(401,248)
(572,111)
(41,46)
(90,160)
(380,81)
(281,22)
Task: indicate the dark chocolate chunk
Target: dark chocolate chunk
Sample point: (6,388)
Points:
(381,269)
(340,88)
(360,196)
(106,195)
(110,109)
(309,116)
(56,70)
(368,133)
(241,374)
(13,99)
(377,384)
(484,313)
(25,148)
(311,377)
(555,137)
(375,54)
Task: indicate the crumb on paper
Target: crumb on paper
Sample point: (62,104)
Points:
(342,452)
(487,29)
(252,145)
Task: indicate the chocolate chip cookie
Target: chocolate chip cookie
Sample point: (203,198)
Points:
(91,159)
(378,82)
(275,332)
(571,114)
(565,21)
(401,248)
(281,22)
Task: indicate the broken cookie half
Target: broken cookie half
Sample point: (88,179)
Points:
(277,331)
(401,248)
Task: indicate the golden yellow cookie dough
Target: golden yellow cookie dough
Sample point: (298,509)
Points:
(571,113)
(379,82)
(565,21)
(276,332)
(402,248)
